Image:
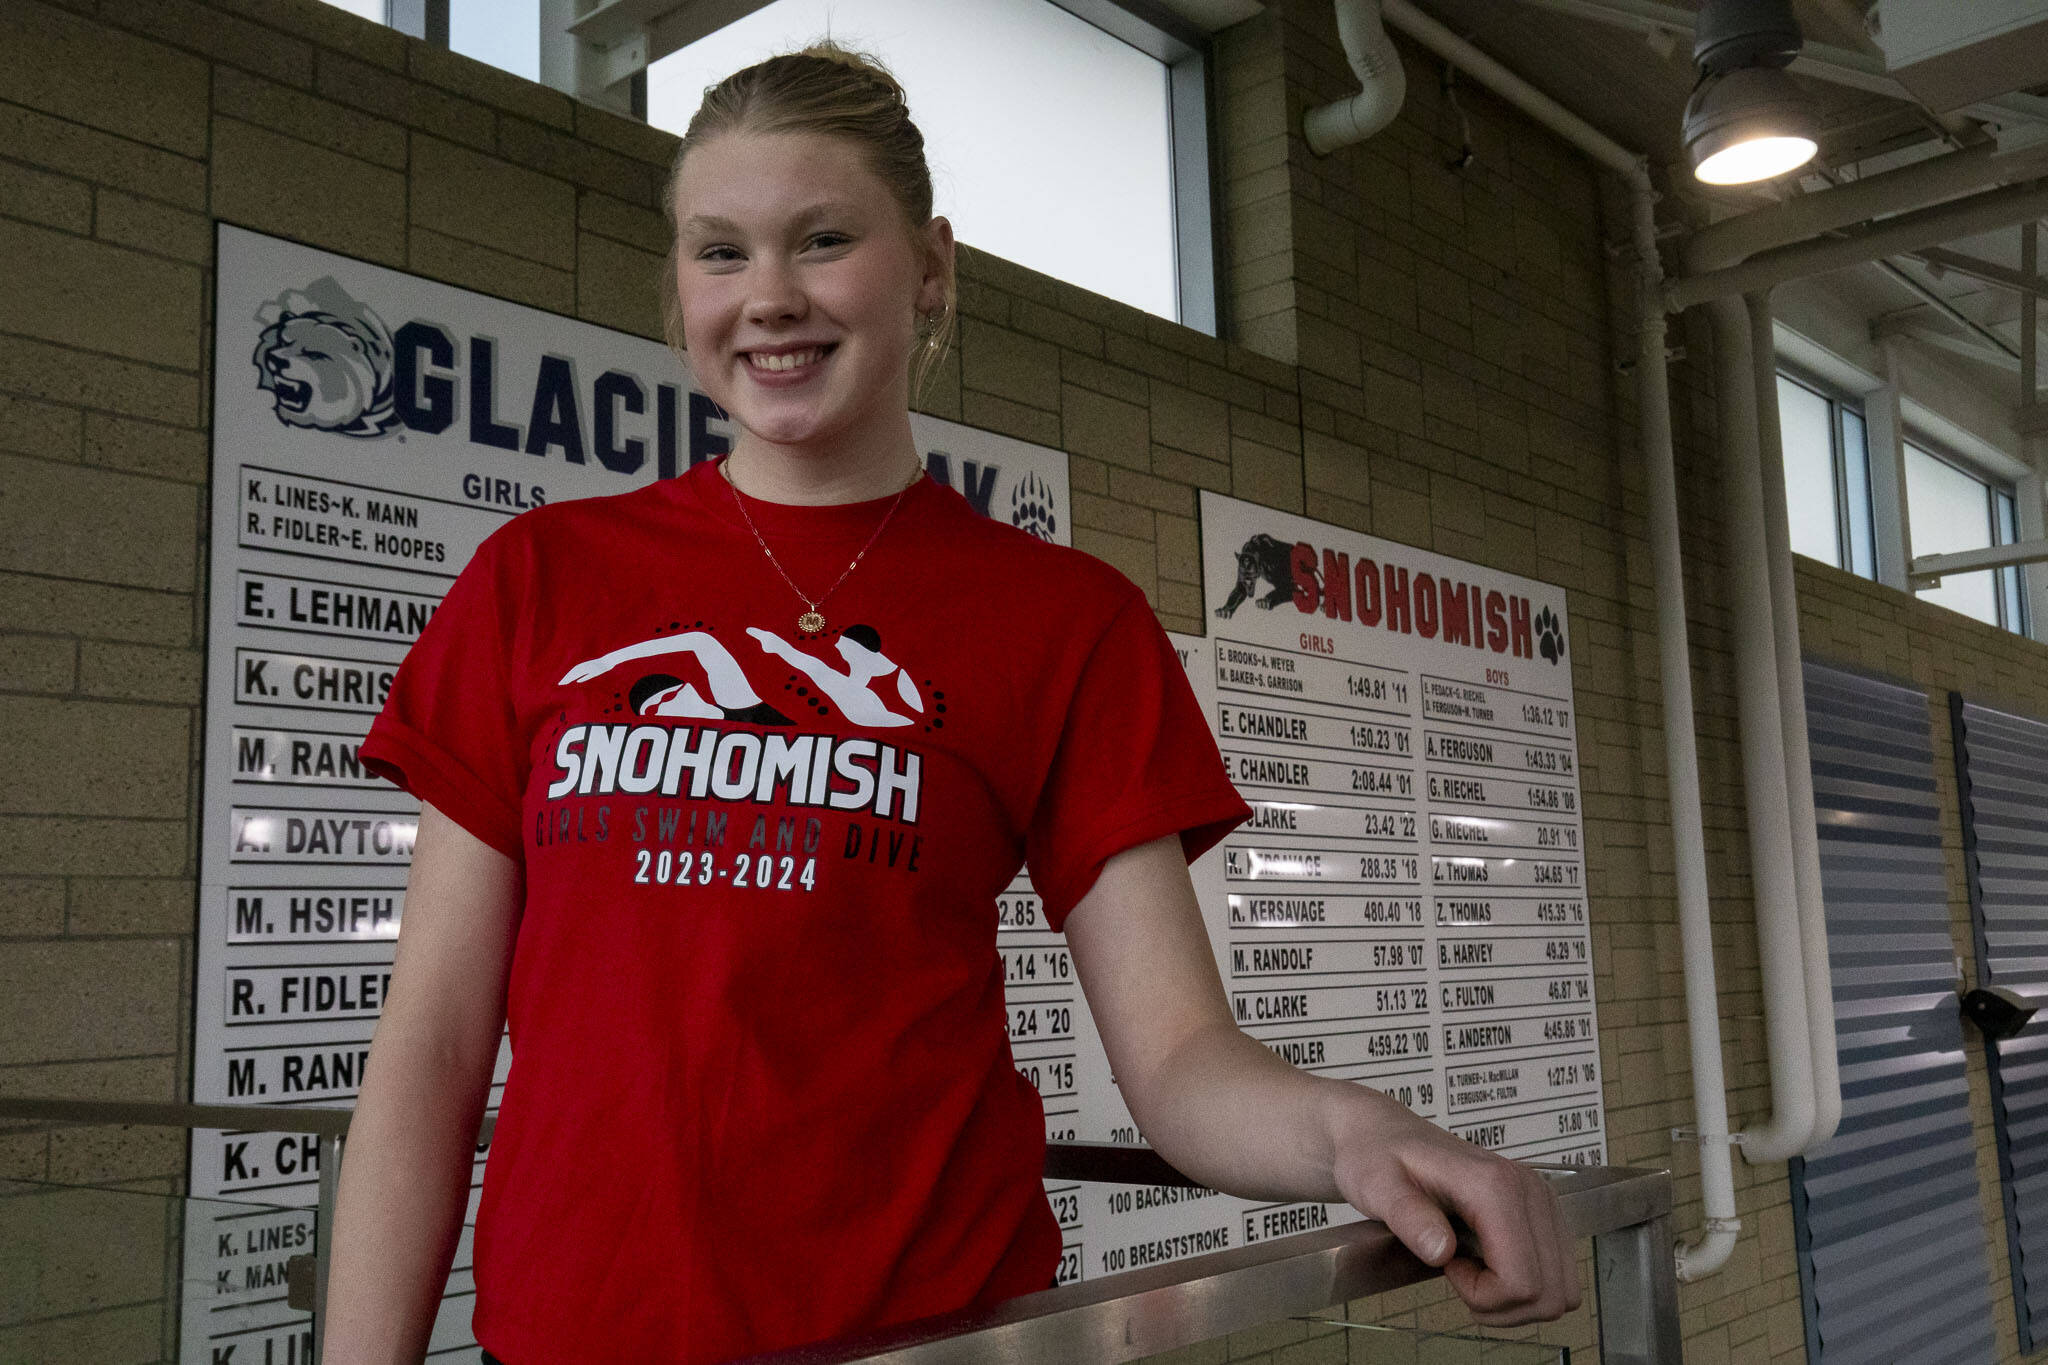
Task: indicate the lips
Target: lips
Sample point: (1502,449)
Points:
(786,362)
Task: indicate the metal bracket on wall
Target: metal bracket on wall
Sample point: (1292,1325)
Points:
(1689,1134)
(1627,364)
(1926,570)
(613,44)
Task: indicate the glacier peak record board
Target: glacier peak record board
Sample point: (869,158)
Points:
(371,428)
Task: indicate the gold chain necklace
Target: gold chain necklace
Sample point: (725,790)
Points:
(812,622)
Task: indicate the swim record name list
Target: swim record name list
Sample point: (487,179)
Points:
(1407,905)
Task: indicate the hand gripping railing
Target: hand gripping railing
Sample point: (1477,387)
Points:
(1625,1210)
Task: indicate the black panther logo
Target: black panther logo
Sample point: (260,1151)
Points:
(1266,558)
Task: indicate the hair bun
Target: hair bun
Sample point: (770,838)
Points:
(825,50)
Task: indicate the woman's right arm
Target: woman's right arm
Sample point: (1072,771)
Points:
(405,1176)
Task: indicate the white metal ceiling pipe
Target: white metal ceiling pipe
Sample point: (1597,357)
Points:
(1772,867)
(1806,216)
(1805,826)
(1382,81)
(1711,1250)
(1894,236)
(1516,91)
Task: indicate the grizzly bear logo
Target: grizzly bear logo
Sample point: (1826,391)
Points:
(326,361)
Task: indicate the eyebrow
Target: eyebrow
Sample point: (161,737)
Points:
(712,223)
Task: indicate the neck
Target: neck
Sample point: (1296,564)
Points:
(851,472)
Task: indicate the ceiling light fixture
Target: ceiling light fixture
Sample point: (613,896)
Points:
(1747,120)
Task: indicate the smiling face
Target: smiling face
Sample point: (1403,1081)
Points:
(801,283)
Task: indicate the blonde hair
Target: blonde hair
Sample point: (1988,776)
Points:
(830,91)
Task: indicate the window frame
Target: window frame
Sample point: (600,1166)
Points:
(592,54)
(423,19)
(2001,498)
(1840,403)
(1184,50)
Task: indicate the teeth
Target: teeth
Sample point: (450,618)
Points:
(790,361)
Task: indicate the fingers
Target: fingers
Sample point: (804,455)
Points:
(1529,1266)
(1559,1251)
(1415,1177)
(1508,1279)
(1422,1227)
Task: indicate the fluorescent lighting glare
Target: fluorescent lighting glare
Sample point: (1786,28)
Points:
(1759,158)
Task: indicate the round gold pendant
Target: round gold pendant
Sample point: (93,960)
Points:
(811,622)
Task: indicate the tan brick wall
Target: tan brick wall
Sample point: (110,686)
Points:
(1454,337)
(1418,352)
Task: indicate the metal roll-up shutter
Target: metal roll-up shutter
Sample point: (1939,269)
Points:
(1893,1262)
(2002,772)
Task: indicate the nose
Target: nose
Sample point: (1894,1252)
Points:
(777,295)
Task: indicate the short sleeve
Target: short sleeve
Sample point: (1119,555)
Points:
(1135,762)
(448,732)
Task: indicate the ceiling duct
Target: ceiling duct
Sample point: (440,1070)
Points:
(1950,54)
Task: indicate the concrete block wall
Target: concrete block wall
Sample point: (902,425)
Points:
(1447,294)
(1418,351)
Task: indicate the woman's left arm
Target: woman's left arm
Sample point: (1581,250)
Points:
(1227,1112)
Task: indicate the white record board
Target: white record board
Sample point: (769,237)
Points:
(1407,906)
(370,429)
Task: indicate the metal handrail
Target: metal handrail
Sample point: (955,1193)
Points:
(1626,1211)
(325,1121)
(234,1117)
(1165,1307)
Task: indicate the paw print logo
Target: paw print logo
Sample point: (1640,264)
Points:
(1031,507)
(1549,635)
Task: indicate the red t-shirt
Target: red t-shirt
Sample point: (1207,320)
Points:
(761,1089)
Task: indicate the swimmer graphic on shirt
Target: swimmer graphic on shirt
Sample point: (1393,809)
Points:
(861,648)
(732,697)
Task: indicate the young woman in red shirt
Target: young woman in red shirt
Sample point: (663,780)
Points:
(720,778)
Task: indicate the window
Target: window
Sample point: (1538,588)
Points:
(1052,141)
(373,10)
(1827,477)
(1950,508)
(1070,136)
(504,33)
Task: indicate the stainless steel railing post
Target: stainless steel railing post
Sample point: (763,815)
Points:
(323,1236)
(1636,1280)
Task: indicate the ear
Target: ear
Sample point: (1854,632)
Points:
(938,265)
